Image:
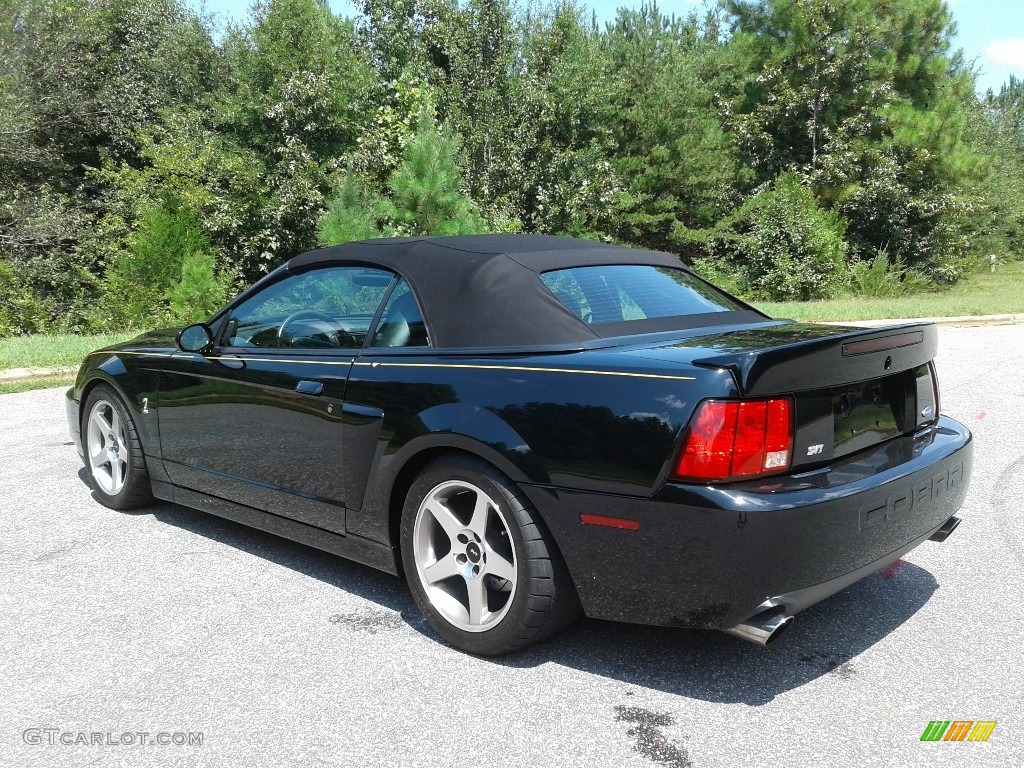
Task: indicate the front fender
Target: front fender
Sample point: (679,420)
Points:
(138,388)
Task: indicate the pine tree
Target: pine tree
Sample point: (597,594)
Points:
(862,100)
(426,196)
(352,214)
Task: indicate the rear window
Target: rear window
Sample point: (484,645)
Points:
(622,293)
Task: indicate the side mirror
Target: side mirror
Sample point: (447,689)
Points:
(195,338)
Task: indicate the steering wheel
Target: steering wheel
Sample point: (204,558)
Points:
(320,319)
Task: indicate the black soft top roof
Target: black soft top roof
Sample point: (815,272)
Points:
(484,290)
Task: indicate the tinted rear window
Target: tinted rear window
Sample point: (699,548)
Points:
(621,293)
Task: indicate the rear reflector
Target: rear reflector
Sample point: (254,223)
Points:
(610,522)
(732,440)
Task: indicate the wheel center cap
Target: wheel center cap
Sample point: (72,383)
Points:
(473,552)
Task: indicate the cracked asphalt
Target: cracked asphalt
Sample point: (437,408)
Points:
(170,621)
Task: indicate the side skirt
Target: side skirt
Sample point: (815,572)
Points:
(351,547)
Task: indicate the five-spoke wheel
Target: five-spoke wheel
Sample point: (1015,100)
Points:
(480,564)
(107,447)
(113,452)
(464,555)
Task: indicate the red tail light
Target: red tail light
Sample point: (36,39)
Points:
(736,439)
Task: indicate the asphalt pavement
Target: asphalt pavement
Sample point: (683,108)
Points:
(118,630)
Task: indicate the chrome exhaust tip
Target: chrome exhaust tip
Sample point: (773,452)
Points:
(945,529)
(763,628)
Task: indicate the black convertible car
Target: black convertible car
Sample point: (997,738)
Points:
(529,427)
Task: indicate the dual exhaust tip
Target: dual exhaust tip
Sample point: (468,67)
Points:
(770,620)
(764,627)
(945,529)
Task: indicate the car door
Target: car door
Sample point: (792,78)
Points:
(258,419)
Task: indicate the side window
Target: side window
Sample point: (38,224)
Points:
(401,325)
(325,308)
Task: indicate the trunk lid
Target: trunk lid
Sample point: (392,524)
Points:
(774,359)
(852,387)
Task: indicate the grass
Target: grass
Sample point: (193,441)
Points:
(24,385)
(44,351)
(977,294)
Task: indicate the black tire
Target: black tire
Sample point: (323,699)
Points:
(135,490)
(542,597)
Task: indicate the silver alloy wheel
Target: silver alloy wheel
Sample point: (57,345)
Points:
(465,555)
(107,443)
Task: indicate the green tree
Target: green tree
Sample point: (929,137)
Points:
(519,91)
(147,159)
(996,129)
(353,213)
(79,81)
(141,281)
(200,292)
(780,245)
(679,165)
(862,99)
(471,60)
(424,196)
(296,102)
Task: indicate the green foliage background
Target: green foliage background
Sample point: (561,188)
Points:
(151,162)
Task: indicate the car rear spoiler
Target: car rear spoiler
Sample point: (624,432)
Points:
(848,356)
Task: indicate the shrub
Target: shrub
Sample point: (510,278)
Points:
(780,246)
(716,255)
(426,189)
(424,196)
(21,311)
(881,278)
(927,230)
(794,250)
(166,275)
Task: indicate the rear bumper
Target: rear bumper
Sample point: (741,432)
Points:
(711,556)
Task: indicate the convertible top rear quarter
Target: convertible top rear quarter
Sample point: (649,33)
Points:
(529,427)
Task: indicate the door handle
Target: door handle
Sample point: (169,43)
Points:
(307,387)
